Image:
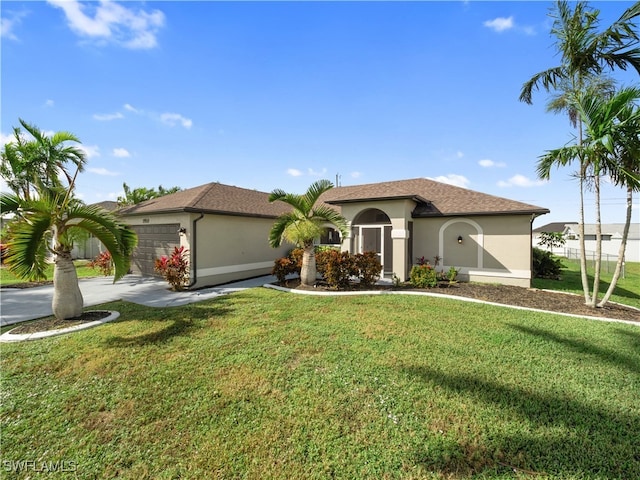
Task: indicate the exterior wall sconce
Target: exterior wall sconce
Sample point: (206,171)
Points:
(182,230)
(460,239)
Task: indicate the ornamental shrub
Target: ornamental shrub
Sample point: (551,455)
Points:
(288,265)
(368,268)
(545,265)
(336,267)
(102,263)
(175,268)
(423,276)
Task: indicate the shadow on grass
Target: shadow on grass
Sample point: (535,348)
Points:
(572,282)
(176,321)
(627,362)
(555,434)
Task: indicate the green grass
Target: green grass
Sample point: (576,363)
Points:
(83,271)
(264,384)
(627,289)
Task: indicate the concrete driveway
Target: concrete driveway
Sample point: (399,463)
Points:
(21,304)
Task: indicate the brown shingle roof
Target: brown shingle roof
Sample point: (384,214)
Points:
(557,227)
(434,198)
(212,198)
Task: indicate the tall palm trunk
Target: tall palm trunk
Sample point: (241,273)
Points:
(583,253)
(621,251)
(308,270)
(598,259)
(67,298)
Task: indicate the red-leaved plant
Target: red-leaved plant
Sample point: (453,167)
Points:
(175,268)
(103,263)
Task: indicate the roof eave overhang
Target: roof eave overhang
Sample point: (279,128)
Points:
(198,210)
(415,198)
(536,213)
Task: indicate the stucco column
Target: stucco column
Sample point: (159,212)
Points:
(345,245)
(400,239)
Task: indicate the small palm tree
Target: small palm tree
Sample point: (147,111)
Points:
(30,164)
(305,223)
(45,225)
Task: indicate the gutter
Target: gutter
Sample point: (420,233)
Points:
(194,251)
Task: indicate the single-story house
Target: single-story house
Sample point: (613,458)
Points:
(487,238)
(611,240)
(554,227)
(226,230)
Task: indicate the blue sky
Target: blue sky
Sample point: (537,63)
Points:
(268,95)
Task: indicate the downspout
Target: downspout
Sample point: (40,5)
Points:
(533,217)
(194,251)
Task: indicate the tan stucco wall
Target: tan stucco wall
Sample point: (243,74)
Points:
(228,247)
(232,248)
(494,248)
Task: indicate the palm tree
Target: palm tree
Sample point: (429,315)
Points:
(625,172)
(585,55)
(609,148)
(305,223)
(28,164)
(46,225)
(47,216)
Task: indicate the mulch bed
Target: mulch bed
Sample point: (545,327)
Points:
(52,323)
(516,296)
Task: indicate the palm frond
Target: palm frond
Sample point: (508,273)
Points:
(27,246)
(116,236)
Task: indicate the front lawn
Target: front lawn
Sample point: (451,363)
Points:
(264,384)
(627,289)
(83,271)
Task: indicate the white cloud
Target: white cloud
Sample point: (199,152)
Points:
(121,153)
(294,172)
(173,119)
(105,117)
(500,24)
(103,171)
(355,174)
(49,103)
(521,181)
(131,108)
(490,163)
(90,150)
(314,173)
(452,179)
(459,154)
(111,22)
(6,138)
(9,22)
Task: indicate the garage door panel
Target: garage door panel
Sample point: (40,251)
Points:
(154,241)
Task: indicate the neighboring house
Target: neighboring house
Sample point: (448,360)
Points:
(224,228)
(556,227)
(487,238)
(611,239)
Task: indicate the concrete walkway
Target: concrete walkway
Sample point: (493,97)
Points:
(21,304)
